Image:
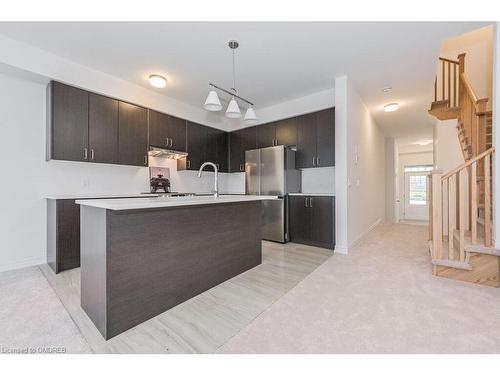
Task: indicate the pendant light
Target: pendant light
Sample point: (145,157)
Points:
(250,116)
(212,103)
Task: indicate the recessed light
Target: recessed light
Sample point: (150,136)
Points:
(391,107)
(157,81)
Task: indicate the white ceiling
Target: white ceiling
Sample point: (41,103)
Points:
(276,61)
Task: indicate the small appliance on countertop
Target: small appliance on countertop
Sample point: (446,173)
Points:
(159,179)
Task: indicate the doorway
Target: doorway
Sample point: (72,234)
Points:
(416,206)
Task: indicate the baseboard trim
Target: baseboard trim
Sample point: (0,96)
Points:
(341,250)
(22,263)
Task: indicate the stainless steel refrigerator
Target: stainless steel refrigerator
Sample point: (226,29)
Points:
(271,171)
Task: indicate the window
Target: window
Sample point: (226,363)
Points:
(417,190)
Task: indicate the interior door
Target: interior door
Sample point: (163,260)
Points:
(416,206)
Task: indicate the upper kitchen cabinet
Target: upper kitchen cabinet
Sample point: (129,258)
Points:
(222,159)
(167,131)
(132,134)
(286,132)
(325,133)
(68,114)
(316,139)
(306,141)
(266,135)
(103,129)
(195,146)
(239,142)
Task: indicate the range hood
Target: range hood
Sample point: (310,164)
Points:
(159,152)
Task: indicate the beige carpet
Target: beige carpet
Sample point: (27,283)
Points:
(32,318)
(381,298)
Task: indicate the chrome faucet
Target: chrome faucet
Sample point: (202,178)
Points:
(216,177)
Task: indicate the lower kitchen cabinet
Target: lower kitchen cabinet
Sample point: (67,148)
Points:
(312,220)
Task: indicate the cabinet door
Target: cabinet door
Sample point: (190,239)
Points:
(132,134)
(305,156)
(241,141)
(286,132)
(158,129)
(177,133)
(322,209)
(196,146)
(266,135)
(222,146)
(236,151)
(69,121)
(211,136)
(325,130)
(300,219)
(103,129)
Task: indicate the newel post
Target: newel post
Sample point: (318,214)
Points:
(437,214)
(461,63)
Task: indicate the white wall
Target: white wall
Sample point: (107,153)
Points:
(341,189)
(447,151)
(391,157)
(360,167)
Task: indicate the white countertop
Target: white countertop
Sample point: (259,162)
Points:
(97,196)
(158,202)
(314,194)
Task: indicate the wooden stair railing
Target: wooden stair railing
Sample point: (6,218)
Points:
(446,84)
(454,98)
(458,210)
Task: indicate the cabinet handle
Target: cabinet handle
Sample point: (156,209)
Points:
(217,166)
(241,167)
(91,154)
(188,164)
(318,161)
(85,153)
(171,142)
(306,202)
(314,161)
(145,159)
(310,202)
(167,141)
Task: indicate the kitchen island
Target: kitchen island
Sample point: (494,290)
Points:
(143,256)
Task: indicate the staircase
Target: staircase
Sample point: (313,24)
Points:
(460,209)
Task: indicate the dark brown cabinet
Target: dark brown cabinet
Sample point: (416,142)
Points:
(222,159)
(286,132)
(103,129)
(266,135)
(240,141)
(316,139)
(204,144)
(68,113)
(132,134)
(195,146)
(312,220)
(167,131)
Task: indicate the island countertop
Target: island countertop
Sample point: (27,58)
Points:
(158,202)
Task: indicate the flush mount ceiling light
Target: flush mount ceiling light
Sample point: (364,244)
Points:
(212,103)
(387,89)
(391,107)
(157,80)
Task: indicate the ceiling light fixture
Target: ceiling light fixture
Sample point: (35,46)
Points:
(391,107)
(387,89)
(157,80)
(212,103)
